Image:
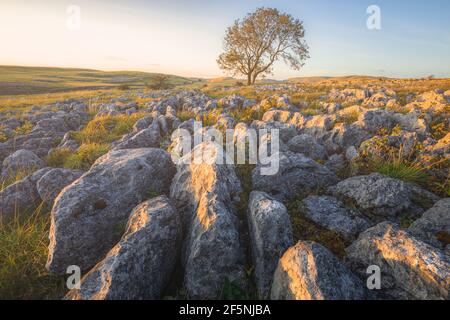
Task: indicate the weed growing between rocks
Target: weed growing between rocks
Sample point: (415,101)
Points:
(81,159)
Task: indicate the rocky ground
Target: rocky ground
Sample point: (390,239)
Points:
(363,181)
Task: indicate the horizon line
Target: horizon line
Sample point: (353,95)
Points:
(219,76)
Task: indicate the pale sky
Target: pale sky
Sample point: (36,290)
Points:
(185,37)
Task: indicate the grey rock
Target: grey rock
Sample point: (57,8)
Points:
(380,195)
(53,182)
(86,216)
(332,214)
(147,138)
(271,235)
(21,160)
(308,146)
(297,175)
(308,271)
(21,196)
(206,193)
(434,222)
(374,120)
(141,264)
(410,268)
(336,163)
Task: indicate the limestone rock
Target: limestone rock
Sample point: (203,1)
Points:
(309,271)
(87,216)
(141,264)
(410,268)
(271,235)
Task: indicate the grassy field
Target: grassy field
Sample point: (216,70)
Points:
(16,80)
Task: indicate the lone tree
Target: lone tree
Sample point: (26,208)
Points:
(253,45)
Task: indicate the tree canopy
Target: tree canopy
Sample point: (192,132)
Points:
(254,44)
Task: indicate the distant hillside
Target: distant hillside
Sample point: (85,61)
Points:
(30,80)
(343,78)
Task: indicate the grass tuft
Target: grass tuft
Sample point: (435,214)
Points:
(23,254)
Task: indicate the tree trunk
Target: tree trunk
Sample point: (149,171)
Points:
(254,77)
(249,79)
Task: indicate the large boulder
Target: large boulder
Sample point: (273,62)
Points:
(147,138)
(332,214)
(382,196)
(309,271)
(206,191)
(434,225)
(343,136)
(51,184)
(270,234)
(141,264)
(21,196)
(308,146)
(375,120)
(21,160)
(87,216)
(297,175)
(410,268)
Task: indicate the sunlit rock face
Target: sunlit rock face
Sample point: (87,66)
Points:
(141,264)
(308,271)
(434,225)
(87,215)
(206,194)
(410,268)
(383,197)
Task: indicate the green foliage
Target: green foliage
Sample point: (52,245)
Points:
(106,129)
(85,156)
(23,254)
(58,157)
(184,115)
(399,169)
(82,159)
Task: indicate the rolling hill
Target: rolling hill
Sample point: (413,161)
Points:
(16,80)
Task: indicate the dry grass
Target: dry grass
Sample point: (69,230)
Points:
(106,129)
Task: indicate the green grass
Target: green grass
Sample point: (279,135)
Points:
(402,170)
(82,159)
(184,115)
(94,141)
(23,254)
(14,177)
(106,129)
(15,80)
